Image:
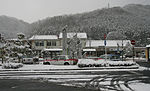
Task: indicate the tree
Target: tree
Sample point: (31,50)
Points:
(18,47)
(115,35)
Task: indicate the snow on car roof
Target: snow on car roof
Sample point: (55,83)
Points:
(70,35)
(39,37)
(54,49)
(89,49)
(110,43)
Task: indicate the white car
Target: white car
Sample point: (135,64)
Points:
(27,60)
(60,60)
(13,60)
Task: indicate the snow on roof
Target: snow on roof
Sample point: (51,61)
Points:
(89,49)
(53,49)
(42,37)
(109,43)
(147,45)
(70,35)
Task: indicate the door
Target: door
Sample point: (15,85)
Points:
(61,60)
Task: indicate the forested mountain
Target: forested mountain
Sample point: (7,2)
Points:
(128,22)
(10,26)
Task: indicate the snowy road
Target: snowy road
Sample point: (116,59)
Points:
(115,80)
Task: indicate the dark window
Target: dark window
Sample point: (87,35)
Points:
(49,43)
(53,43)
(55,58)
(37,43)
(42,43)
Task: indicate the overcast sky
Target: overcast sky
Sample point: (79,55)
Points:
(33,10)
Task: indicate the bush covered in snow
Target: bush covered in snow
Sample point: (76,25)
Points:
(103,63)
(12,65)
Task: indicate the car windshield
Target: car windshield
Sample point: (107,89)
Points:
(103,57)
(28,56)
(62,58)
(55,58)
(110,56)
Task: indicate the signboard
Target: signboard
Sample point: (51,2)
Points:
(133,42)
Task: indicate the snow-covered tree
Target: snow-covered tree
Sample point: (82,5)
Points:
(74,47)
(115,35)
(18,47)
(128,50)
(2,48)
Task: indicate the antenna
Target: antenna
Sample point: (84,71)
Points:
(108,6)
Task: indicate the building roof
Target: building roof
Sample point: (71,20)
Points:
(109,43)
(43,37)
(147,45)
(79,35)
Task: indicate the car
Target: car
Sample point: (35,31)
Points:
(27,60)
(111,57)
(13,60)
(60,60)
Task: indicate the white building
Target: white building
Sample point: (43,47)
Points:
(53,43)
(97,47)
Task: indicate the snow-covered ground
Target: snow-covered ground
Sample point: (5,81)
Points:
(72,76)
(103,78)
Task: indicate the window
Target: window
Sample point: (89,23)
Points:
(36,43)
(55,58)
(53,43)
(39,43)
(62,58)
(49,43)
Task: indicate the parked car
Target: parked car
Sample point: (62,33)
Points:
(27,60)
(61,60)
(111,57)
(13,60)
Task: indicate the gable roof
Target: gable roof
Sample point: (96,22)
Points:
(109,43)
(79,35)
(43,37)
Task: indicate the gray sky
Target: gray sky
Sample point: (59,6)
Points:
(33,10)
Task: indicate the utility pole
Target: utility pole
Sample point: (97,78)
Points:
(90,46)
(133,43)
(108,6)
(122,50)
(64,42)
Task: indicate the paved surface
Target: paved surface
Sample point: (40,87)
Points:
(34,85)
(73,80)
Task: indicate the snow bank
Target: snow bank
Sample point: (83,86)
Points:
(12,65)
(140,86)
(102,62)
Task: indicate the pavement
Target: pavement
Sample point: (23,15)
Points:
(34,85)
